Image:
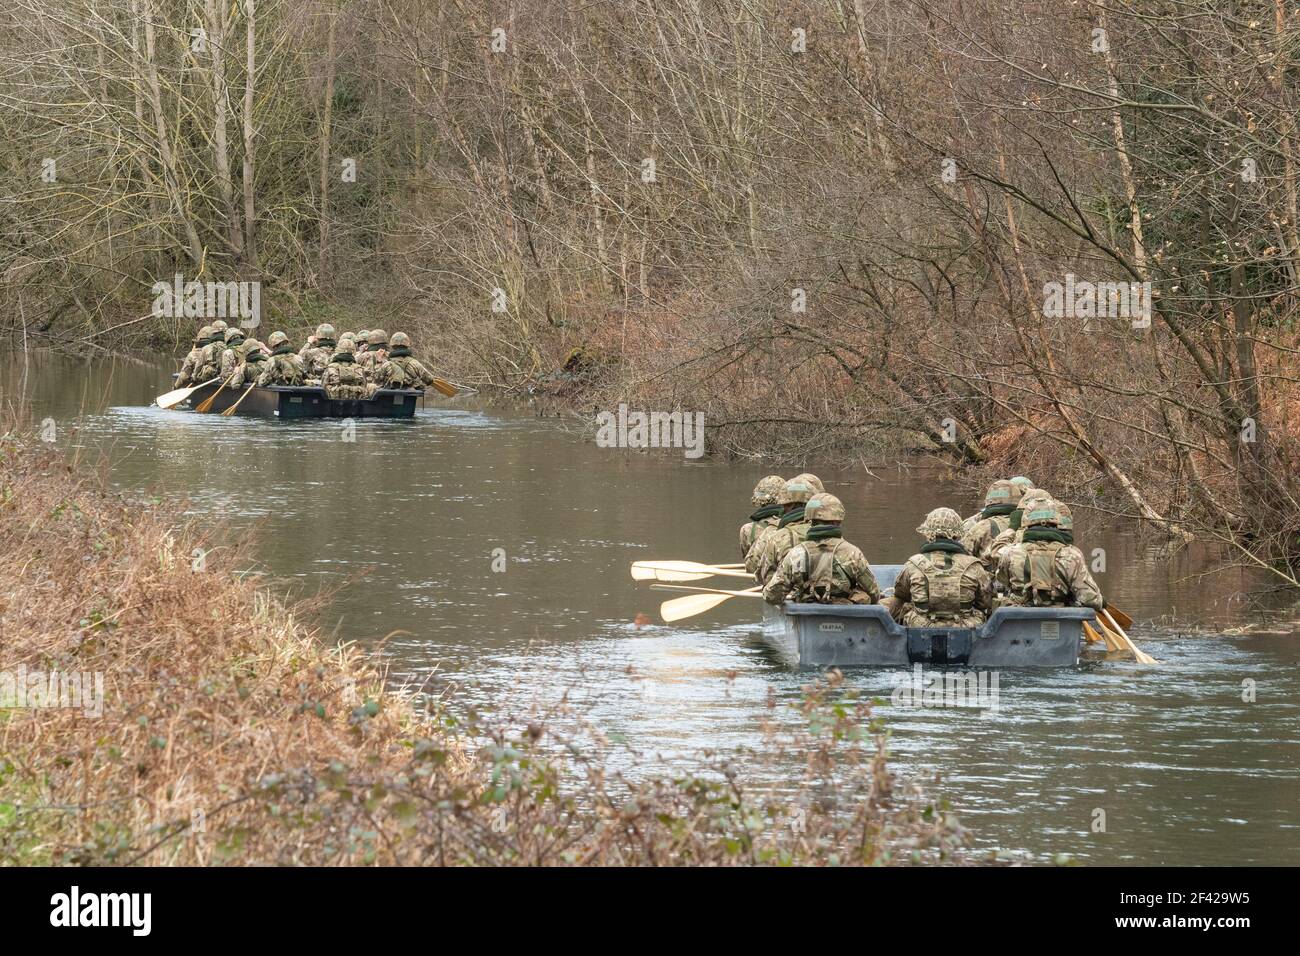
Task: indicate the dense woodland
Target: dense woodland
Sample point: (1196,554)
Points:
(830,225)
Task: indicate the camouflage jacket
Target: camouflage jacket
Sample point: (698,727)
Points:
(403,370)
(343,380)
(979,538)
(827,571)
(937,589)
(190,368)
(210,361)
(1048,574)
(370,363)
(247,373)
(315,358)
(230,359)
(282,368)
(751,531)
(774,545)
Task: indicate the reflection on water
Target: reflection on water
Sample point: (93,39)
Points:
(410,514)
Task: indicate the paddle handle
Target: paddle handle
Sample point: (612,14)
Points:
(1139,656)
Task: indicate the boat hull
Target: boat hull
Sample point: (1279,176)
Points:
(865,635)
(280,401)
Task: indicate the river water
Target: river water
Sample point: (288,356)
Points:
(406,522)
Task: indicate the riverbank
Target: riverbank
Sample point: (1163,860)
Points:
(196,719)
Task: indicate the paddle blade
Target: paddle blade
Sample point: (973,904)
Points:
(174,397)
(445,387)
(683,607)
(653,574)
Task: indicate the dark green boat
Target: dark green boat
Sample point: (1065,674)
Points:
(306,401)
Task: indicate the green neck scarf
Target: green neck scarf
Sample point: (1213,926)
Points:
(283,349)
(402,350)
(946,545)
(792,517)
(1015,518)
(819,532)
(1049,534)
(343,357)
(766,511)
(996,511)
(255,357)
(325,343)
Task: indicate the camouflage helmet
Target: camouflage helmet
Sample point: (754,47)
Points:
(795,491)
(361,335)
(400,340)
(811,479)
(378,337)
(941,523)
(1041,513)
(277,339)
(1025,483)
(1065,516)
(1034,496)
(766,491)
(324,331)
(234,335)
(347,337)
(250,346)
(204,334)
(219,327)
(823,507)
(345,345)
(1003,492)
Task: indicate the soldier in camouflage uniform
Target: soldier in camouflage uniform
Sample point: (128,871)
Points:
(1013,533)
(767,515)
(362,340)
(375,354)
(316,355)
(251,365)
(233,353)
(943,585)
(282,367)
(402,369)
(1045,569)
(342,378)
(1001,500)
(193,360)
(823,568)
(766,554)
(210,357)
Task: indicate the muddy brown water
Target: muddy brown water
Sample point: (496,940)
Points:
(410,515)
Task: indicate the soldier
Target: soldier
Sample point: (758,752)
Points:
(823,568)
(193,360)
(999,502)
(766,554)
(283,367)
(813,482)
(402,369)
(342,378)
(375,354)
(233,353)
(1045,569)
(943,585)
(362,340)
(767,515)
(252,364)
(316,356)
(210,357)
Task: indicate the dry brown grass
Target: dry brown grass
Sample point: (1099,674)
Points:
(231,734)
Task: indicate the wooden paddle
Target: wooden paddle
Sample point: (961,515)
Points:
(1122,619)
(205,406)
(680,571)
(231,410)
(683,607)
(444,386)
(1104,636)
(1138,655)
(178,395)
